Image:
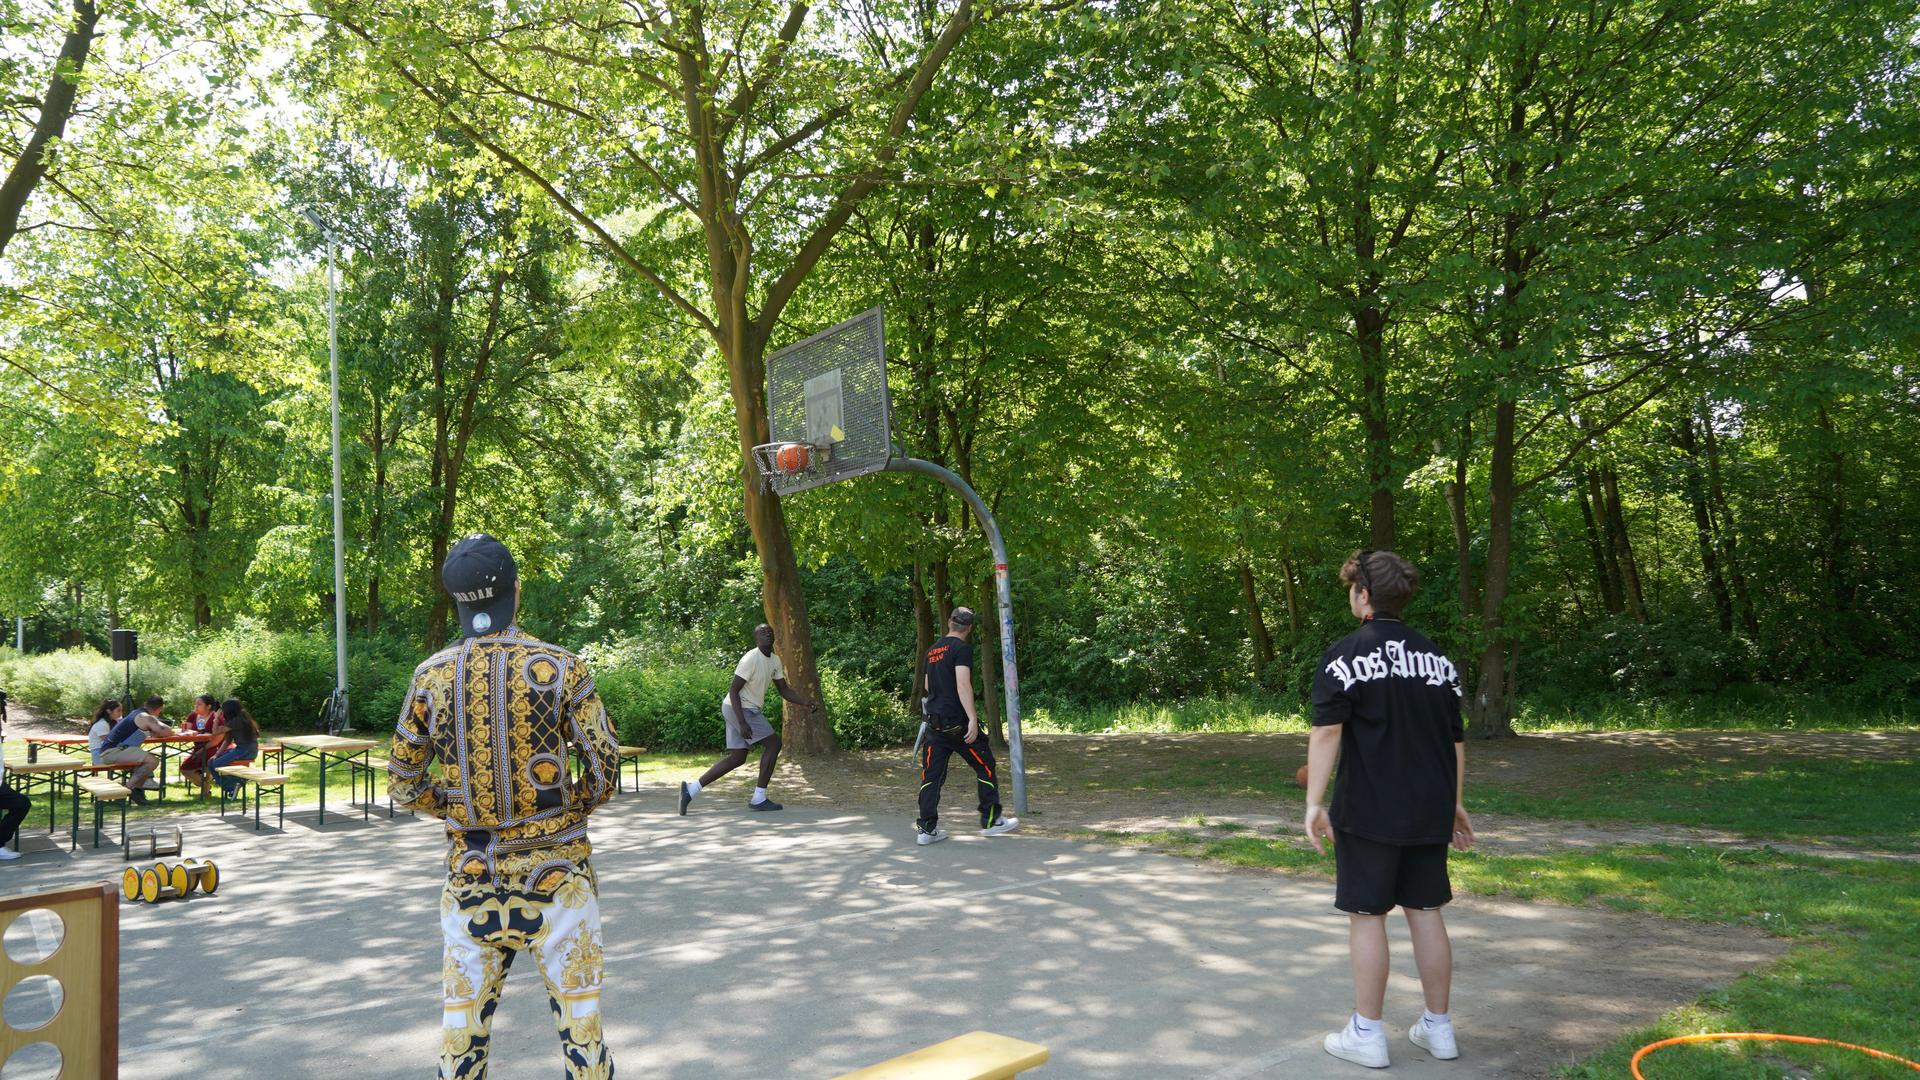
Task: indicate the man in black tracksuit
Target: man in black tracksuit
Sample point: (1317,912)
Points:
(954,728)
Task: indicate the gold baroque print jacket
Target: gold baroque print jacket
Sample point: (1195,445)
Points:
(502,713)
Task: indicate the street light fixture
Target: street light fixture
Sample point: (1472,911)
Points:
(337,708)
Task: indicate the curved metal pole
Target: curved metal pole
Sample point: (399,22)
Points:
(1010,671)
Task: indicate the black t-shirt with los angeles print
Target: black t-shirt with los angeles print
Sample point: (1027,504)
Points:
(1399,698)
(943,697)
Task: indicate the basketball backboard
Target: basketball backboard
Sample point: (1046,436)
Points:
(830,390)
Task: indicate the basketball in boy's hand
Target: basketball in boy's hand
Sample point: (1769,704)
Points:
(1300,776)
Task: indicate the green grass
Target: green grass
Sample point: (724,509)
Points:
(1736,709)
(1197,714)
(1872,803)
(1747,709)
(1850,974)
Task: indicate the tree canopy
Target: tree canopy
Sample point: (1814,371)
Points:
(1601,313)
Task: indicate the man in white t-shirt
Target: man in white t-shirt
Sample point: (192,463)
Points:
(746,725)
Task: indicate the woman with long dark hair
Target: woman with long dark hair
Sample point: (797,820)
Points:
(242,746)
(205,719)
(104,717)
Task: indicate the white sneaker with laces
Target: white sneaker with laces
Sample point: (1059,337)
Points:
(923,837)
(1437,1041)
(7,854)
(151,784)
(1001,827)
(1346,1045)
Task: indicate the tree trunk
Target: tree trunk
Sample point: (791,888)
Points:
(1256,622)
(1729,544)
(1462,534)
(1370,326)
(438,340)
(1616,583)
(375,519)
(56,107)
(1836,535)
(75,636)
(1703,523)
(1604,573)
(1623,544)
(782,599)
(986,660)
(1289,585)
(923,634)
(1492,703)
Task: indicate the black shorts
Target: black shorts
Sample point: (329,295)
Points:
(1372,878)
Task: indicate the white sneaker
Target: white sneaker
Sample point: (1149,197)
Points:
(1437,1041)
(923,837)
(1004,825)
(1347,1046)
(151,784)
(7,854)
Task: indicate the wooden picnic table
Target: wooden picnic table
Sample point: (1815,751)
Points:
(57,772)
(323,747)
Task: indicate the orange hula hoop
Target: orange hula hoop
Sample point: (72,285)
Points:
(1760,1036)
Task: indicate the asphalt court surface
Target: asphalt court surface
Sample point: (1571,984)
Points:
(809,942)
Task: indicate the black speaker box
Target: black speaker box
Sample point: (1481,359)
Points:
(126,645)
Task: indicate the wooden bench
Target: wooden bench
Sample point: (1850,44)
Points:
(977,1055)
(374,768)
(633,754)
(99,791)
(260,779)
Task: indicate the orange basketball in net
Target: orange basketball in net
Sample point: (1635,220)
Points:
(793,457)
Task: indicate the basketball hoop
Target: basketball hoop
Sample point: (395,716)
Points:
(783,461)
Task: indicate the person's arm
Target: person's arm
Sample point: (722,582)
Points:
(591,732)
(794,696)
(1323,752)
(739,714)
(1331,708)
(153,725)
(1462,824)
(963,689)
(408,783)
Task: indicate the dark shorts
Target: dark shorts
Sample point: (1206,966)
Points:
(1372,878)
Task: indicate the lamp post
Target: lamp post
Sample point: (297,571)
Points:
(339,704)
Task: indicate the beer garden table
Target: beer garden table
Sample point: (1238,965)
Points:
(58,771)
(340,748)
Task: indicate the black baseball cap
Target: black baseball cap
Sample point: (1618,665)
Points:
(481,575)
(961,617)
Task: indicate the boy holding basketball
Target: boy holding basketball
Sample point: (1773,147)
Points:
(1386,707)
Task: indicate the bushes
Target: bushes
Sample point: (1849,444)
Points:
(283,678)
(666,708)
(865,716)
(677,708)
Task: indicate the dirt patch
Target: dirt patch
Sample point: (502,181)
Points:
(1143,783)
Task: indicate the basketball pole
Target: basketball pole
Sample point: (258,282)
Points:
(1010,670)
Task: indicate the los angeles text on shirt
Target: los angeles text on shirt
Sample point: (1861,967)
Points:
(1396,660)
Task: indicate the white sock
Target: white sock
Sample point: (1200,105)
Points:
(1436,1020)
(1365,1028)
(759,795)
(693,788)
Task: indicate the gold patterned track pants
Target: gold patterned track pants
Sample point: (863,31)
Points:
(485,927)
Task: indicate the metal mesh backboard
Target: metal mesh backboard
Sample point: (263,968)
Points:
(831,390)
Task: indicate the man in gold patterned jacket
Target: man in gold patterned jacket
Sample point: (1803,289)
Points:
(501,713)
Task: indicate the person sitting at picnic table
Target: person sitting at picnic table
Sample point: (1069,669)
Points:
(104,717)
(122,746)
(242,743)
(205,719)
(13,805)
